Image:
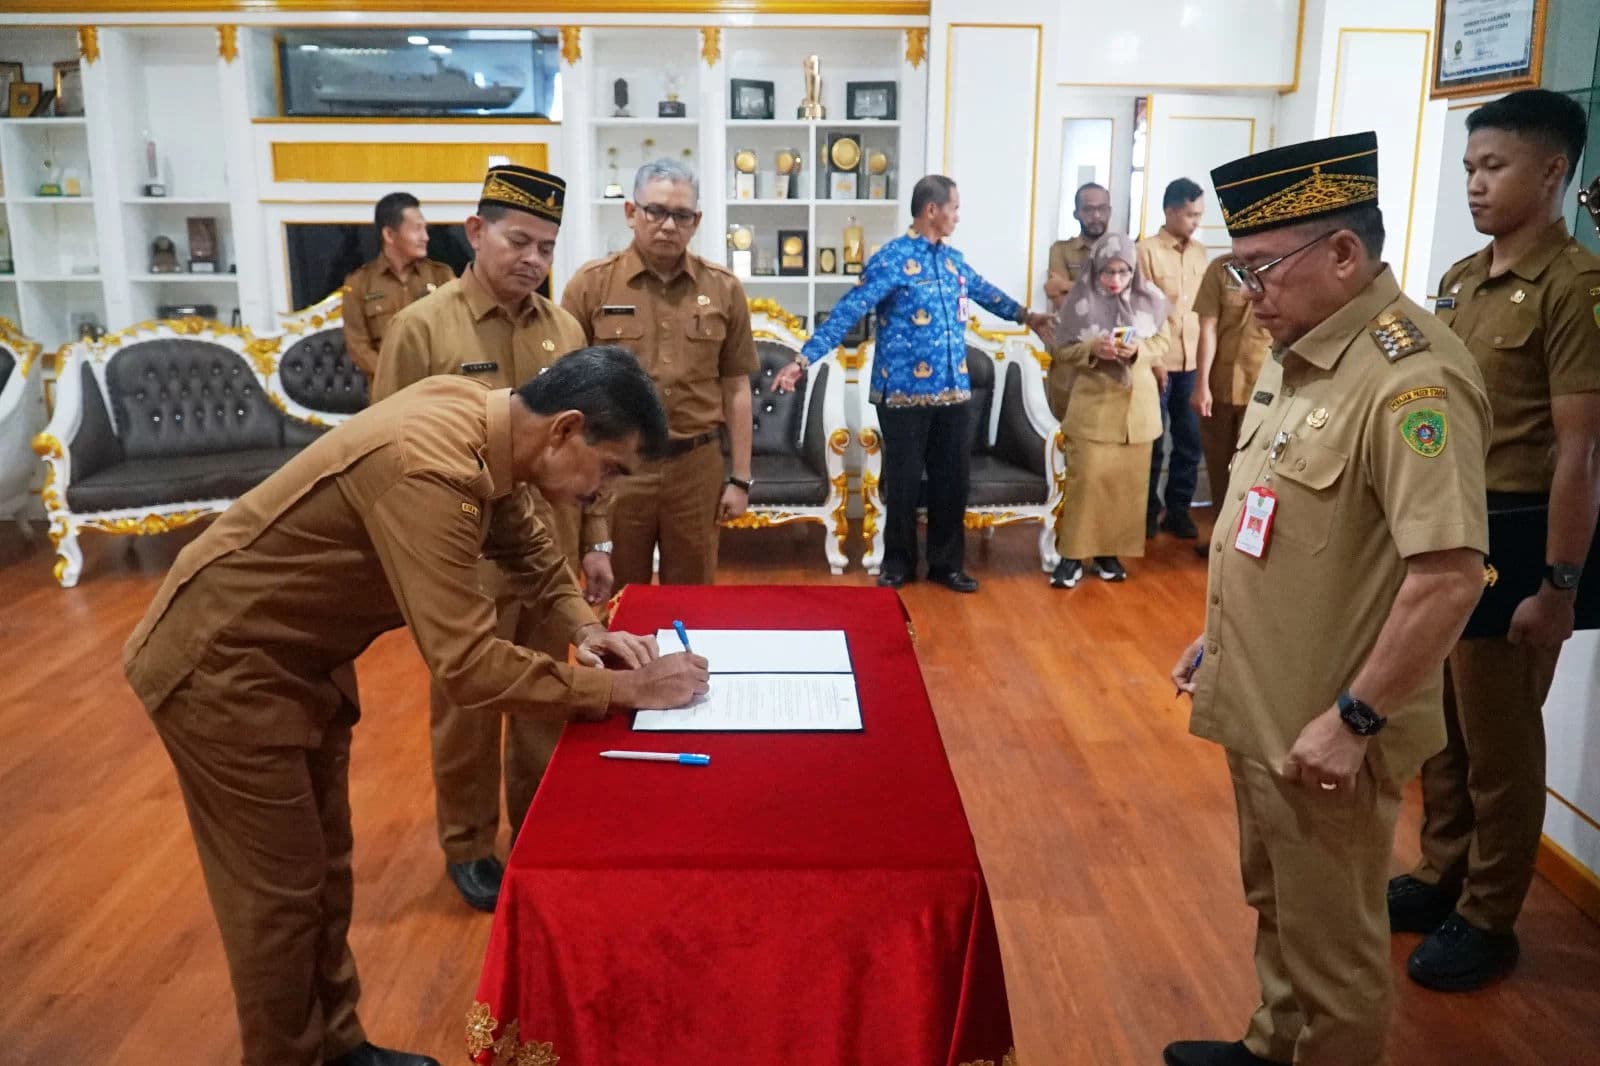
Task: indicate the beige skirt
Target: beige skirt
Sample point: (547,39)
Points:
(1103,501)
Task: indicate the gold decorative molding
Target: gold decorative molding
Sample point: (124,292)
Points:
(870,441)
(26,350)
(711,45)
(839,440)
(1008,1059)
(508,1050)
(571,44)
(898,8)
(762,305)
(916,46)
(89,43)
(841,512)
(148,525)
(228,43)
(765,519)
(368,162)
(994,519)
(869,503)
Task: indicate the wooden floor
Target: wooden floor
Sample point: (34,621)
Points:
(1106,831)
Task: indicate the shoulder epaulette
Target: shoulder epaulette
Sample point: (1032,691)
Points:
(1398,336)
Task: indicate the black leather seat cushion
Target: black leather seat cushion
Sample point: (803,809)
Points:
(786,479)
(775,416)
(8,363)
(175,479)
(995,482)
(179,397)
(316,373)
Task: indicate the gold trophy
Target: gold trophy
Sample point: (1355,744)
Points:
(877,174)
(811,107)
(854,246)
(741,239)
(786,182)
(744,174)
(844,164)
(613,189)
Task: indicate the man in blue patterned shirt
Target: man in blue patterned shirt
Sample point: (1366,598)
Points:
(921,289)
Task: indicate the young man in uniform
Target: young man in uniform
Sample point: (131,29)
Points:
(401,274)
(1348,556)
(1528,307)
(1091,206)
(493,326)
(686,319)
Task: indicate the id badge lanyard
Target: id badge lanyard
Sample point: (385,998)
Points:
(1260,505)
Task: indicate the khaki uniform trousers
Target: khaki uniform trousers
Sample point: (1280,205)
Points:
(1218,435)
(671,503)
(468,754)
(1315,868)
(1483,796)
(272,825)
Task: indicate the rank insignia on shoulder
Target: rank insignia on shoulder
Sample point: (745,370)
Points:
(1398,336)
(922,318)
(1262,396)
(471,509)
(1425,432)
(912,268)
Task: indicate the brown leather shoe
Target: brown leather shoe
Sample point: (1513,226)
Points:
(372,1055)
(1213,1053)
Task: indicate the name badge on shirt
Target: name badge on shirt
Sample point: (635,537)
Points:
(1255,522)
(478,368)
(962,307)
(616,309)
(1444,303)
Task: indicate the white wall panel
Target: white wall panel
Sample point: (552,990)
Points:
(1573,743)
(1190,135)
(1187,43)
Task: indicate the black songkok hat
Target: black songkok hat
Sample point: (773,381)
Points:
(1298,182)
(525,189)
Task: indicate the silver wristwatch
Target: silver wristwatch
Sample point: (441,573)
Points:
(602,546)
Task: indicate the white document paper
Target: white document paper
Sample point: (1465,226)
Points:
(763,703)
(765,651)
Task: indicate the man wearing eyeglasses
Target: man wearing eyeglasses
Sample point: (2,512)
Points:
(492,325)
(1345,562)
(1091,206)
(687,321)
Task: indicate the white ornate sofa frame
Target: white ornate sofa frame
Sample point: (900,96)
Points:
(261,352)
(20,407)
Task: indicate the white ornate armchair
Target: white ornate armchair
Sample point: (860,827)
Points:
(21,413)
(798,439)
(1018,455)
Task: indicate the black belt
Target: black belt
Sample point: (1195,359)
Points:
(684,445)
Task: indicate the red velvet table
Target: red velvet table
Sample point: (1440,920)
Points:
(807,898)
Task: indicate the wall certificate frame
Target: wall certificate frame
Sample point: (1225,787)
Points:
(1487,46)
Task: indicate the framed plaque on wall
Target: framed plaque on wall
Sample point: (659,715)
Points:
(1487,46)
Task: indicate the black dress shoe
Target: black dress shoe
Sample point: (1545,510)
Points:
(1180,525)
(1152,526)
(1460,957)
(892,577)
(372,1055)
(955,580)
(1416,906)
(1213,1053)
(478,881)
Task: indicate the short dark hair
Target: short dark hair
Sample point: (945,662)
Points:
(492,212)
(612,390)
(1077,197)
(932,189)
(1364,220)
(391,210)
(1555,119)
(1180,191)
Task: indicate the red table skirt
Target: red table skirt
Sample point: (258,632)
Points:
(808,898)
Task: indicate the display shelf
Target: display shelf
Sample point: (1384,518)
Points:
(776,279)
(176,201)
(51,200)
(60,279)
(769,201)
(642,122)
(184,277)
(60,123)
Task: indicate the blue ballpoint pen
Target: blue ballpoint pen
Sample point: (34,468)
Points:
(1201,654)
(683,634)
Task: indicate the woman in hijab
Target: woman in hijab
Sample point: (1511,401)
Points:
(1111,334)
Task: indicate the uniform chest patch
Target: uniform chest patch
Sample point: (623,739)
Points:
(912,268)
(1432,392)
(471,509)
(1262,397)
(1425,432)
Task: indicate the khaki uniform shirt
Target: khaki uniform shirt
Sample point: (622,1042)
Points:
(1069,257)
(374,294)
(689,333)
(1101,407)
(1177,273)
(1374,459)
(378,523)
(1242,343)
(462,329)
(1535,331)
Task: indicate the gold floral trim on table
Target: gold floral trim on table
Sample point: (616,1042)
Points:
(507,1050)
(1009,1059)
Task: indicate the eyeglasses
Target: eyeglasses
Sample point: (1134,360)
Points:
(1249,278)
(657,214)
(1117,272)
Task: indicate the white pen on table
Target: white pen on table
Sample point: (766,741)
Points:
(682,758)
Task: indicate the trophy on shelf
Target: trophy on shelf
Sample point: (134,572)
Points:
(153,186)
(202,246)
(744,174)
(163,256)
(51,185)
(827,261)
(844,162)
(672,107)
(854,246)
(811,107)
(86,326)
(613,190)
(7,266)
(786,182)
(619,96)
(741,238)
(792,256)
(877,174)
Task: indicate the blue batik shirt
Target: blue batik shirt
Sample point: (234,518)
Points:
(920,291)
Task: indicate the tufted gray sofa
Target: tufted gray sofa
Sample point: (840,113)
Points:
(167,423)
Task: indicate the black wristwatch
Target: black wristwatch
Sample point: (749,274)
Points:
(1361,720)
(1563,576)
(740,483)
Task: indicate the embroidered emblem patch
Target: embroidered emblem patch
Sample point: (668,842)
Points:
(471,509)
(921,318)
(912,268)
(1432,392)
(1424,432)
(1597,316)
